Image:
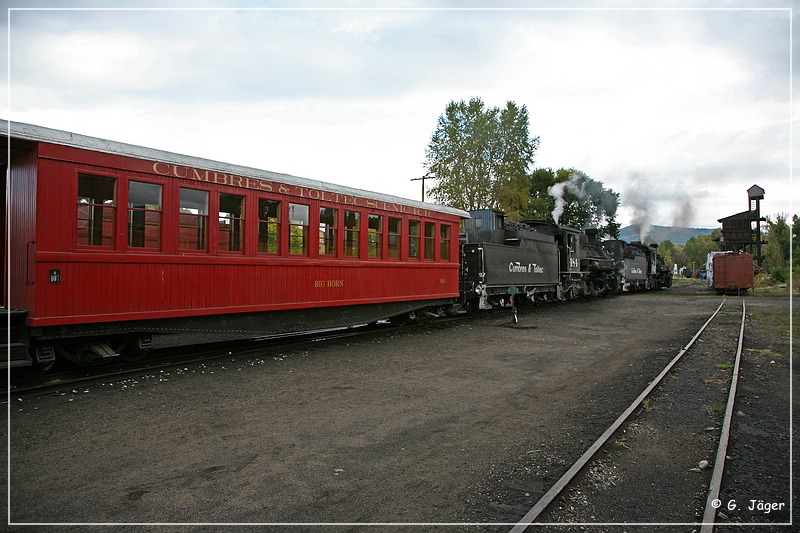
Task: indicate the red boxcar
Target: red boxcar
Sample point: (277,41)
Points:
(730,271)
(112,242)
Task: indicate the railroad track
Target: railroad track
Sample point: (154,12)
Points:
(713,502)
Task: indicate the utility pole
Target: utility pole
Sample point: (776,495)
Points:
(423,178)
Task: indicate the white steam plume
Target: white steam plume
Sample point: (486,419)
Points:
(572,185)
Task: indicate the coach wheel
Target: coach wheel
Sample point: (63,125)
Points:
(136,348)
(399,320)
(44,359)
(472,306)
(43,367)
(404,319)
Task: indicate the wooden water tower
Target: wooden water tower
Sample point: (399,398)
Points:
(742,232)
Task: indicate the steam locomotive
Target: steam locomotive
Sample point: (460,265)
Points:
(538,261)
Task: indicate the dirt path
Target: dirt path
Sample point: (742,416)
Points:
(440,426)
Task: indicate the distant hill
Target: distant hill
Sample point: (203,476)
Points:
(659,234)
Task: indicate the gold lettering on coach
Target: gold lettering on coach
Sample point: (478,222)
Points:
(328,283)
(233,180)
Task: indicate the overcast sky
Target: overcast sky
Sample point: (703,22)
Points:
(680,111)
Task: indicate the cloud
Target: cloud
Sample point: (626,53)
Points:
(103,61)
(691,100)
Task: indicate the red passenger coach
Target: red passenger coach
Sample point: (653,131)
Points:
(111,243)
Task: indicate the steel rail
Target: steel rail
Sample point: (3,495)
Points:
(722,450)
(561,484)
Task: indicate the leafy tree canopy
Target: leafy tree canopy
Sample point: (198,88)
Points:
(697,248)
(572,198)
(776,251)
(481,156)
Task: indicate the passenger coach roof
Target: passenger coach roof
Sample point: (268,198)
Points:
(30,132)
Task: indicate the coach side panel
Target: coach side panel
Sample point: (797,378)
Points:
(88,269)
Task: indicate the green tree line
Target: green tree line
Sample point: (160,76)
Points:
(782,245)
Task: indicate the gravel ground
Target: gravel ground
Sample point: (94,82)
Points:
(460,423)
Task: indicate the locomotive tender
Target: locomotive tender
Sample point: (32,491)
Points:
(111,243)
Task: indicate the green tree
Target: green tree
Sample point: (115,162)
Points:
(697,249)
(541,204)
(480,157)
(572,198)
(776,251)
(668,251)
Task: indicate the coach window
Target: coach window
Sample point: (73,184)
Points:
(413,239)
(269,226)
(193,220)
(327,230)
(144,215)
(374,236)
(352,231)
(430,240)
(298,229)
(395,230)
(96,207)
(231,223)
(444,242)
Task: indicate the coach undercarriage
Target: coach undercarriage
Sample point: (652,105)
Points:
(86,344)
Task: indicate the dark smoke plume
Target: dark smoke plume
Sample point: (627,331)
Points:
(639,200)
(684,211)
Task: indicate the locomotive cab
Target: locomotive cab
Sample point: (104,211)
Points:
(485,225)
